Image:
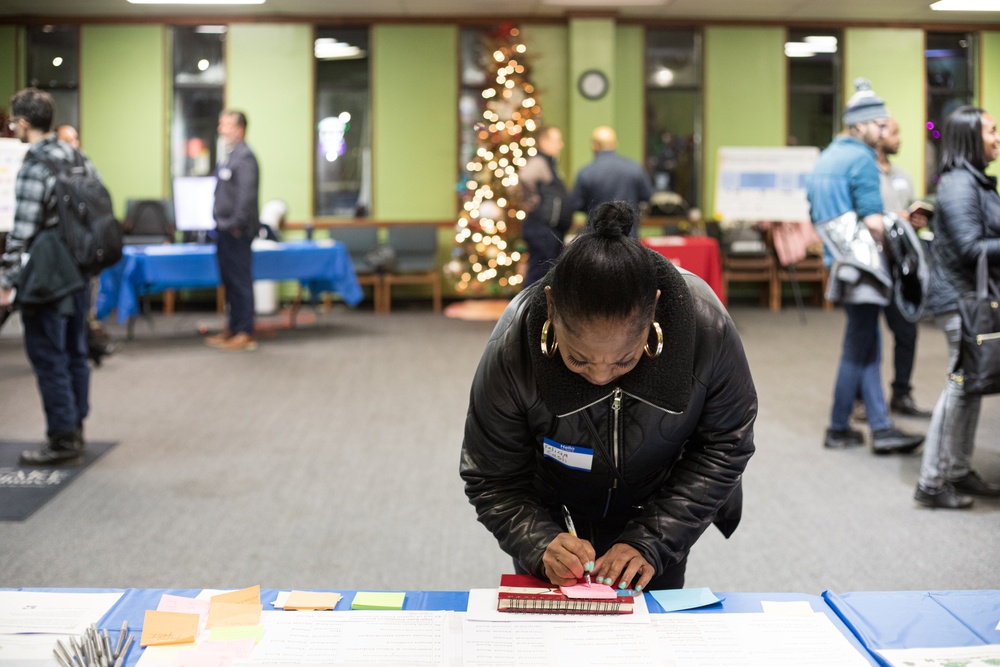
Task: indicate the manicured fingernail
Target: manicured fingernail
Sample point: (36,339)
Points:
(600,580)
(638,589)
(621,585)
(589,567)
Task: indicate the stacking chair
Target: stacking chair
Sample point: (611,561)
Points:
(416,260)
(148,222)
(359,240)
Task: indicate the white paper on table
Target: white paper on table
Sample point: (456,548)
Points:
(30,649)
(357,637)
(755,640)
(23,612)
(528,644)
(790,608)
(973,656)
(483,607)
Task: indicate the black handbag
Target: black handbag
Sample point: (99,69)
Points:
(977,368)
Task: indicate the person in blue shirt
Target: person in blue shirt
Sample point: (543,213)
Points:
(610,177)
(846,179)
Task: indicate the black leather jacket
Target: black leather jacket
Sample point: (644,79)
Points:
(670,438)
(966,219)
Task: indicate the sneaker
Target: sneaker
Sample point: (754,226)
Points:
(893,441)
(974,485)
(842,438)
(219,339)
(241,342)
(66,450)
(944,498)
(904,405)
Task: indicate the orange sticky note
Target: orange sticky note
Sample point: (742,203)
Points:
(243,596)
(226,614)
(168,627)
(313,600)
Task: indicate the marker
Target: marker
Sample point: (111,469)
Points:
(572,531)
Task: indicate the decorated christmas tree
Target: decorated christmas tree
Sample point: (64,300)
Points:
(486,254)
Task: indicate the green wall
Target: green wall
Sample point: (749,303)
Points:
(893,60)
(745,94)
(415,107)
(547,52)
(591,46)
(630,67)
(269,76)
(123,108)
(8,63)
(989,78)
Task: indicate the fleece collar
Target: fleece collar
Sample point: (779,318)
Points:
(664,382)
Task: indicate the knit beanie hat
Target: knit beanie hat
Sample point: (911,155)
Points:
(864,105)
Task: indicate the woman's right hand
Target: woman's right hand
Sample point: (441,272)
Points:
(567,559)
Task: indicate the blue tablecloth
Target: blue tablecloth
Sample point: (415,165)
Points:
(148,269)
(919,619)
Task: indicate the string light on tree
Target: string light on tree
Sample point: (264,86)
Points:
(485,258)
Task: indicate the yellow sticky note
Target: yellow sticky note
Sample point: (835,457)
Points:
(225,614)
(168,627)
(311,600)
(243,596)
(254,632)
(368,600)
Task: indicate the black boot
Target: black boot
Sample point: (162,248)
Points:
(64,449)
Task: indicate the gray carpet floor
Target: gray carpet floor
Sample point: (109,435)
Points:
(329,459)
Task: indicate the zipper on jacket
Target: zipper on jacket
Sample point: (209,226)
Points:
(616,407)
(984,337)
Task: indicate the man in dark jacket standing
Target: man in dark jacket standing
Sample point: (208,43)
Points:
(236,218)
(49,287)
(610,177)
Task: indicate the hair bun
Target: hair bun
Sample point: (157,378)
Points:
(613,219)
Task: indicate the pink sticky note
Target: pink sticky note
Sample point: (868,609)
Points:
(592,592)
(182,604)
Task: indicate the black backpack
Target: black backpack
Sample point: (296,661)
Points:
(554,205)
(87,221)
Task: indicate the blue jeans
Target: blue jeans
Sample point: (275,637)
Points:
(859,373)
(57,347)
(952,432)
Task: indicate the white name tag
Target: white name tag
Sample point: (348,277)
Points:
(578,458)
(225,173)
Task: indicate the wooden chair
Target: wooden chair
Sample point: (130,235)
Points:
(416,260)
(760,268)
(809,270)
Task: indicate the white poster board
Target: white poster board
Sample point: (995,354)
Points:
(194,197)
(11,155)
(763,184)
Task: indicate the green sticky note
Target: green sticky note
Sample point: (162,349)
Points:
(368,600)
(238,632)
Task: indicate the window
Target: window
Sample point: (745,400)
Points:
(673,118)
(54,66)
(343,123)
(813,93)
(472,80)
(199,83)
(950,59)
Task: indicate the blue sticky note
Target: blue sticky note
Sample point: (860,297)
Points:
(685,598)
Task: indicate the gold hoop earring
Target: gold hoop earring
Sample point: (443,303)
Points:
(659,342)
(549,351)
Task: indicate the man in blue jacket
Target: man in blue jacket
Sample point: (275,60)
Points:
(846,179)
(610,177)
(237,217)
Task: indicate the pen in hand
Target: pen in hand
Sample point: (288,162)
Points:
(572,531)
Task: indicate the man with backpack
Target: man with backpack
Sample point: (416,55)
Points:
(546,203)
(39,273)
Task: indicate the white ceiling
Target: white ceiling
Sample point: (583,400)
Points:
(910,12)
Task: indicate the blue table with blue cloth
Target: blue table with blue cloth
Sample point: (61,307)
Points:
(322,266)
